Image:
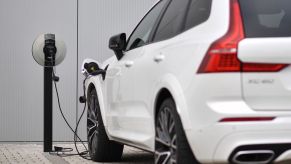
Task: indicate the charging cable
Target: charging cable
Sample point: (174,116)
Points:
(63,152)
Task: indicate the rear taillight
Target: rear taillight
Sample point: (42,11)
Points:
(222,54)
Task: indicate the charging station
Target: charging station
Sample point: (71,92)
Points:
(48,51)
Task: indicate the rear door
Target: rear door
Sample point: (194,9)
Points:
(126,120)
(266,48)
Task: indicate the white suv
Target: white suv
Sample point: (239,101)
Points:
(198,81)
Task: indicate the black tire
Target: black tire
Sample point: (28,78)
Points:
(101,149)
(171,145)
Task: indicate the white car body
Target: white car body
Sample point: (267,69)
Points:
(128,95)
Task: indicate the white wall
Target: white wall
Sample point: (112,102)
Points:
(21,82)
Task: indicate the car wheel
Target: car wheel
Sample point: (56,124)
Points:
(171,145)
(101,149)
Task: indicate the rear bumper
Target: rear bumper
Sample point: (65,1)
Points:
(210,99)
(264,140)
(217,143)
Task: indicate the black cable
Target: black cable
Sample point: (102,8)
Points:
(75,134)
(76,130)
(83,154)
(61,111)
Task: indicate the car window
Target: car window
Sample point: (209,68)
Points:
(266,18)
(199,12)
(141,34)
(173,20)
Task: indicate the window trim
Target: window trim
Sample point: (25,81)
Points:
(154,26)
(159,19)
(157,23)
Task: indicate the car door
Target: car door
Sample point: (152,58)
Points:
(124,120)
(267,80)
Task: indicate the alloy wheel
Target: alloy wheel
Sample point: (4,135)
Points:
(166,138)
(92,123)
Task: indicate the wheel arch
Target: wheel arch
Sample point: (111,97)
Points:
(162,95)
(169,87)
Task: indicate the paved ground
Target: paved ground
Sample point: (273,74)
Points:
(32,153)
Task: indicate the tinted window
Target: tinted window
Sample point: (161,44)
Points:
(173,20)
(199,12)
(141,34)
(266,18)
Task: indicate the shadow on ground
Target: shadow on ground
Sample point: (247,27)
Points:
(144,158)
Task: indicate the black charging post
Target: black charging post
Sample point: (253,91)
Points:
(50,52)
(48,113)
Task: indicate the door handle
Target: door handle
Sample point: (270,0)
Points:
(128,64)
(159,58)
